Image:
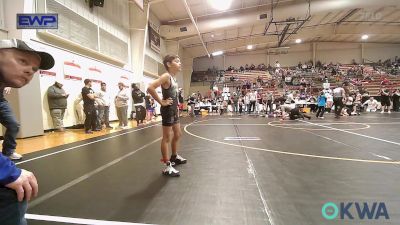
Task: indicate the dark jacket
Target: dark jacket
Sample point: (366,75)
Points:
(55,97)
(137,96)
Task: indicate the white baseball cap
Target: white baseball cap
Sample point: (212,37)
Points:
(46,62)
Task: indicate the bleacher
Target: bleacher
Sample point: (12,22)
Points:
(372,86)
(247,75)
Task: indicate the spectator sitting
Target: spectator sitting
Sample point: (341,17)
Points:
(303,82)
(372,104)
(299,65)
(385,81)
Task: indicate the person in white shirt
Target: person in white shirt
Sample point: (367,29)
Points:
(247,102)
(357,104)
(339,95)
(349,104)
(289,98)
(103,100)
(372,104)
(79,114)
(121,105)
(253,99)
(329,101)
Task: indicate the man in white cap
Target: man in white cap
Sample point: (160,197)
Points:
(16,79)
(18,64)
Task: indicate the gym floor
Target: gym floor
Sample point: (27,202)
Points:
(240,170)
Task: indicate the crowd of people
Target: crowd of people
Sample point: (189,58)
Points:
(304,85)
(256,101)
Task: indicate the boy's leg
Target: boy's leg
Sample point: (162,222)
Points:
(166,139)
(176,128)
(175,158)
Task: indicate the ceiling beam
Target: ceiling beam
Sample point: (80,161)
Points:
(334,16)
(348,15)
(373,21)
(395,19)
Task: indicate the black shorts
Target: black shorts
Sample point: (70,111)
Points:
(385,101)
(170,115)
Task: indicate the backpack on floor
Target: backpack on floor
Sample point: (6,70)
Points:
(140,112)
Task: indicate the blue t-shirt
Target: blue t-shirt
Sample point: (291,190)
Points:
(321,100)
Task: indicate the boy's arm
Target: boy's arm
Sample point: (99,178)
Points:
(155,84)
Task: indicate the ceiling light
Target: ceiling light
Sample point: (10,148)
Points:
(220,4)
(298,41)
(364,37)
(249,47)
(217,53)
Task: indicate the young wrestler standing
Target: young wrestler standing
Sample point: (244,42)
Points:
(169,113)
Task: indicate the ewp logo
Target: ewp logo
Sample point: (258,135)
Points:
(331,211)
(37,21)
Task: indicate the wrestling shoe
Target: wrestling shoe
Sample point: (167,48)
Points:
(170,171)
(177,159)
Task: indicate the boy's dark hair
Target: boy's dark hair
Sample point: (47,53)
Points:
(169,59)
(86,81)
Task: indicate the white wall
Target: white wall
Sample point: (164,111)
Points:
(109,74)
(374,52)
(338,52)
(11,8)
(2,20)
(3,34)
(239,60)
(203,63)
